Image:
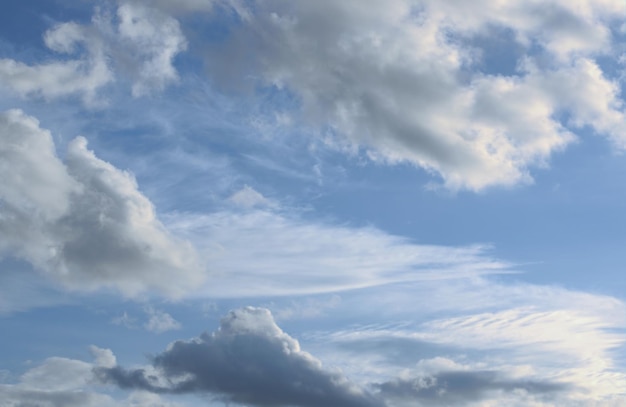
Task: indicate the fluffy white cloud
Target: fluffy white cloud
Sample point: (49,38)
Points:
(95,229)
(401,79)
(82,76)
(141,45)
(34,180)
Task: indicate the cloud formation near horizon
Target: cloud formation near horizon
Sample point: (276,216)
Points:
(248,360)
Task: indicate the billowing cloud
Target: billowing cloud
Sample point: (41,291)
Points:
(401,80)
(83,222)
(249,360)
(139,45)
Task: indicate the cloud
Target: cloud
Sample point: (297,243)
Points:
(63,382)
(460,388)
(248,197)
(15,396)
(160,321)
(154,39)
(139,45)
(83,222)
(248,360)
(82,76)
(400,81)
(59,374)
(265,253)
(540,334)
(124,320)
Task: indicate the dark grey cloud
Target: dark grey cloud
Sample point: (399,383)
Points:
(450,388)
(248,360)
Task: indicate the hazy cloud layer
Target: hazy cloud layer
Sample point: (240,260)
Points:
(263,253)
(83,222)
(249,360)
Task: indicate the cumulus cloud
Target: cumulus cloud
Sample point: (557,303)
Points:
(248,360)
(83,222)
(140,45)
(400,79)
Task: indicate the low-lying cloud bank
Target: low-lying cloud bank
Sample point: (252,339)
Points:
(248,360)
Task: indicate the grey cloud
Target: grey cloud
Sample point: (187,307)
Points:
(95,229)
(248,360)
(460,388)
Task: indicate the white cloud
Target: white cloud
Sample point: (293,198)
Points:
(540,333)
(140,46)
(154,39)
(58,374)
(583,342)
(248,197)
(103,357)
(63,382)
(28,154)
(398,80)
(263,253)
(95,229)
(159,321)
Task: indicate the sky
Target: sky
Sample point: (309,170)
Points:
(274,203)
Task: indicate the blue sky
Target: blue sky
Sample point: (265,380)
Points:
(290,203)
